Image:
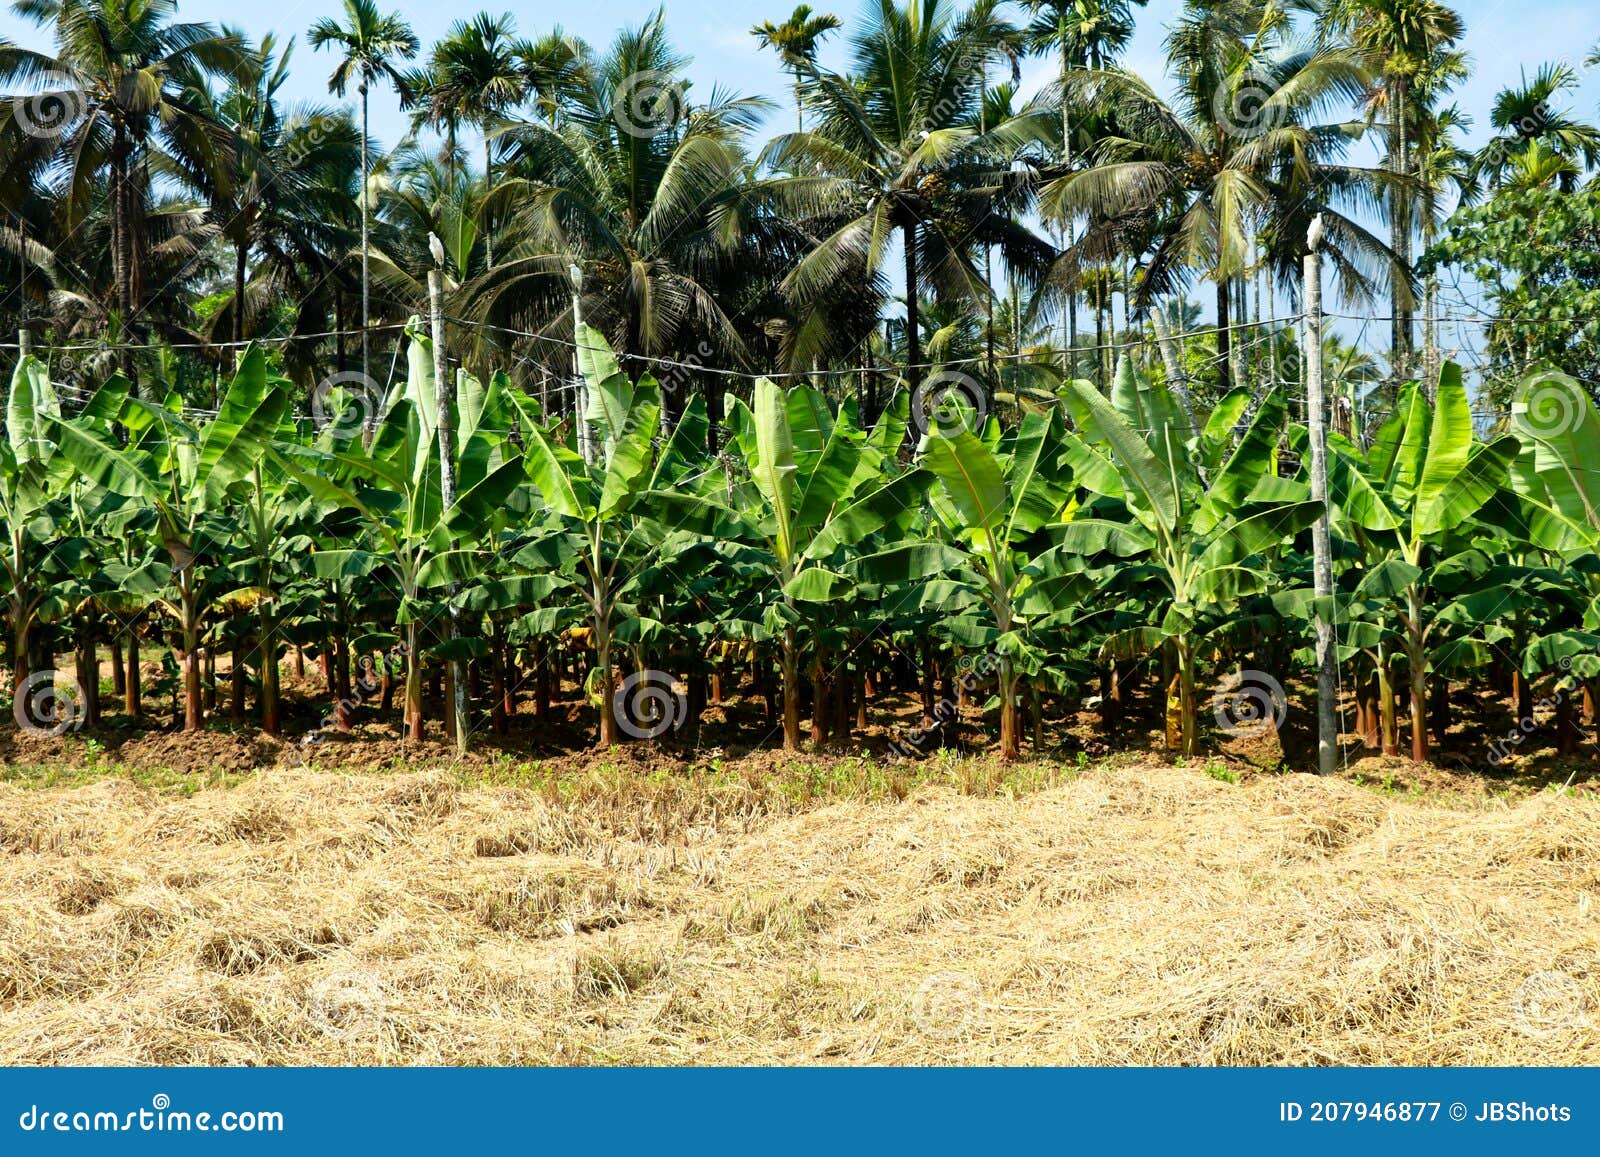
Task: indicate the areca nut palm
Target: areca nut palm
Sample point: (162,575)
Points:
(475,76)
(1526,119)
(1399,40)
(796,41)
(373,43)
(555,71)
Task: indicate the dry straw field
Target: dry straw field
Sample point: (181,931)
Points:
(633,915)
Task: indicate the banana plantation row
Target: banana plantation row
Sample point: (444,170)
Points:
(1103,532)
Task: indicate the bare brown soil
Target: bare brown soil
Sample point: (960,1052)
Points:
(740,727)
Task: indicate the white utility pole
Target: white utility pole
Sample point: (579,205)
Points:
(1321,540)
(444,398)
(580,399)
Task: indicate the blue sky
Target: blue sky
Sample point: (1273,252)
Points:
(1503,37)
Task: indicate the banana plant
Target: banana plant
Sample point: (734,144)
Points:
(996,502)
(189,473)
(814,484)
(28,487)
(393,484)
(1205,540)
(1558,426)
(274,542)
(614,522)
(1424,477)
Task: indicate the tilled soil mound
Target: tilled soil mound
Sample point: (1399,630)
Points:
(1135,916)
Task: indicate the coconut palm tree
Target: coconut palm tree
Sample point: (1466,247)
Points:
(118,75)
(638,190)
(476,75)
(373,43)
(796,41)
(897,152)
(1239,159)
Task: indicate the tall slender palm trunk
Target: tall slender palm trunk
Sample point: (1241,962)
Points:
(240,254)
(366,291)
(913,318)
(488,183)
(1400,224)
(1224,339)
(122,242)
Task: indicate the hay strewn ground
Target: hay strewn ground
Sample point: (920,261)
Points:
(1132,916)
